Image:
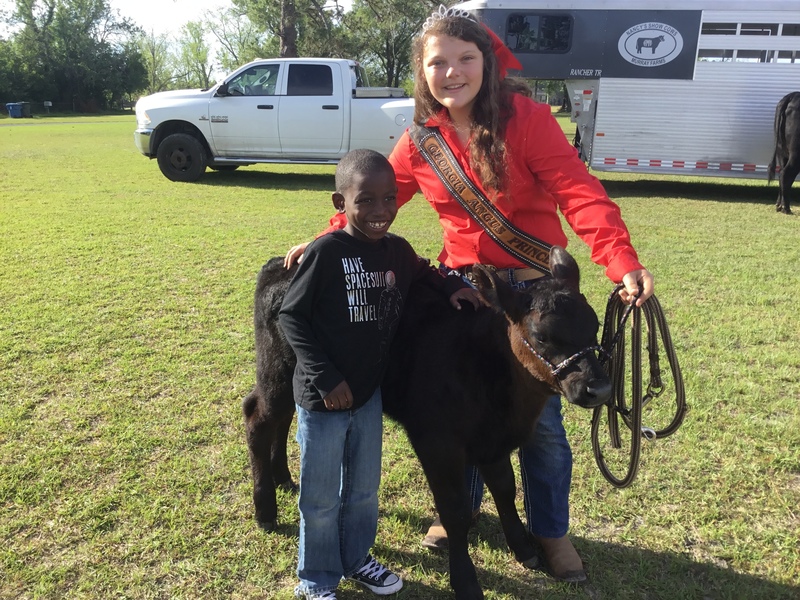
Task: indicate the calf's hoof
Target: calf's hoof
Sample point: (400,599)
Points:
(268,525)
(471,592)
(532,563)
(289,486)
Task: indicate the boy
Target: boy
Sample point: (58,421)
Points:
(340,314)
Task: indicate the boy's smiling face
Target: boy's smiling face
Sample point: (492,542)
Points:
(370,204)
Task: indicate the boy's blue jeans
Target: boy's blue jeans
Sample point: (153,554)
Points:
(546,466)
(340,471)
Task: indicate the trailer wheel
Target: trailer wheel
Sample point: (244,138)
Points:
(181,157)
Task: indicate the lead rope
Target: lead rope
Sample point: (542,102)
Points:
(614,341)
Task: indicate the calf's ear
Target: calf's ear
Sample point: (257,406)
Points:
(500,296)
(564,267)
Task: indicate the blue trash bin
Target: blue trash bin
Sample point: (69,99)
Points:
(14,110)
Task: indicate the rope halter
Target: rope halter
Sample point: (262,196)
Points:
(556,369)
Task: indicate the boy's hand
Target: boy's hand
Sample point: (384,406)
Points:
(471,295)
(340,398)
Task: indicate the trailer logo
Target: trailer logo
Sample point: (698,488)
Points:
(650,44)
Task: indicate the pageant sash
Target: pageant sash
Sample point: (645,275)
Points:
(524,247)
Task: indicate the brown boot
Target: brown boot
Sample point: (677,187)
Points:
(436,538)
(562,559)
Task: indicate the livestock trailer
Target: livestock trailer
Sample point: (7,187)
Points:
(683,87)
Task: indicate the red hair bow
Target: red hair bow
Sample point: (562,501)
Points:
(505,59)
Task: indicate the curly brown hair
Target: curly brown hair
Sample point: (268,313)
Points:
(493,104)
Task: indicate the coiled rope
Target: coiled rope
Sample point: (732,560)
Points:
(614,341)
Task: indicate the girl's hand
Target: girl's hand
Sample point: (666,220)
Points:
(295,254)
(636,283)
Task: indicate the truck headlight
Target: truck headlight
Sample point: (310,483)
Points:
(143,118)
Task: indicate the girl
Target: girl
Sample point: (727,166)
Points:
(517,155)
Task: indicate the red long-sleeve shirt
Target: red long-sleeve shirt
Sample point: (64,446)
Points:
(544,175)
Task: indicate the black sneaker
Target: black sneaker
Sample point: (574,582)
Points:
(377,578)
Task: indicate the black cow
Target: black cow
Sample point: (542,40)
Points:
(466,385)
(787,148)
(651,43)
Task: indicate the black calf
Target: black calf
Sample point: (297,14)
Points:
(269,408)
(787,148)
(466,385)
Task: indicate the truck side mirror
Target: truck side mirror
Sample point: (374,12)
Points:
(222,90)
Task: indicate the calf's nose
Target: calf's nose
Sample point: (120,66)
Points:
(598,391)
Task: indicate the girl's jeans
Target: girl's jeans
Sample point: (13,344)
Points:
(546,466)
(340,471)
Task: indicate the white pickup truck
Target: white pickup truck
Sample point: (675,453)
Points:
(298,110)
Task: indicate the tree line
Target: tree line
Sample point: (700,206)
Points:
(83,56)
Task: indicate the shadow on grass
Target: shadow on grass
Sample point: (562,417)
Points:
(268,181)
(728,191)
(616,572)
(287,530)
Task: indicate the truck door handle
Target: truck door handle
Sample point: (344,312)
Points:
(330,107)
(265,107)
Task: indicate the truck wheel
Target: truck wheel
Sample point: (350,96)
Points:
(181,157)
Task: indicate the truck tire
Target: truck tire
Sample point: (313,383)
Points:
(181,157)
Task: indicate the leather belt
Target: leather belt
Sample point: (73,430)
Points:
(510,275)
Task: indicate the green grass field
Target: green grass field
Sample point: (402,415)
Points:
(126,346)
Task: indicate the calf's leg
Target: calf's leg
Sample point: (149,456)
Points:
(788,174)
(443,463)
(267,421)
(499,478)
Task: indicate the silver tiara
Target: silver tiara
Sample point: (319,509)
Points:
(442,13)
